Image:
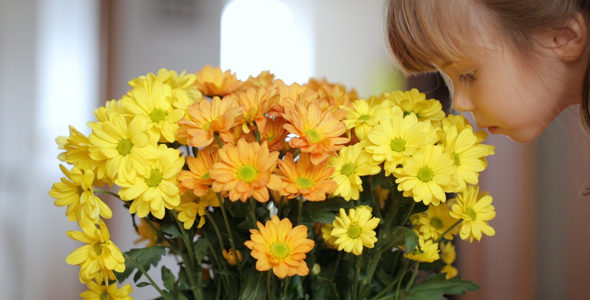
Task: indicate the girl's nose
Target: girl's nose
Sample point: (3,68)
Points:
(462,102)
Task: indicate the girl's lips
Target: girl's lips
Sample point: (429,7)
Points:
(493,129)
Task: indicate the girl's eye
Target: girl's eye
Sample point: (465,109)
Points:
(468,76)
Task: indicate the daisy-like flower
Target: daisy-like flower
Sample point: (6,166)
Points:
(147,233)
(99,254)
(197,177)
(318,132)
(275,134)
(154,100)
(75,191)
(112,106)
(335,94)
(192,206)
(475,211)
(103,292)
(413,101)
(126,148)
(280,247)
(77,150)
(215,82)
(355,230)
(184,90)
(327,235)
(448,256)
(156,188)
(426,252)
(232,257)
(427,175)
(207,119)
(245,171)
(265,78)
(435,221)
(363,116)
(257,102)
(395,139)
(304,178)
(290,93)
(350,164)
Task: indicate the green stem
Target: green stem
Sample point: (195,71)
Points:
(142,270)
(286,287)
(371,271)
(448,230)
(280,210)
(413,276)
(268,284)
(257,133)
(191,255)
(300,212)
(252,202)
(376,206)
(297,152)
(390,285)
(336,266)
(159,233)
(218,139)
(409,213)
(216,228)
(359,260)
(231,236)
(399,283)
(96,190)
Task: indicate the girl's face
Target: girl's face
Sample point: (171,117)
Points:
(510,95)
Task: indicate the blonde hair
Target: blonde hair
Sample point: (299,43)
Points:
(423,33)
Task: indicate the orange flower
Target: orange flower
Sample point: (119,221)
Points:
(215,82)
(291,93)
(197,178)
(280,247)
(319,133)
(206,119)
(265,78)
(306,179)
(245,171)
(275,134)
(231,257)
(257,102)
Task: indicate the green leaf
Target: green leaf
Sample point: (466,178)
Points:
(201,248)
(145,257)
(142,284)
(324,211)
(411,239)
(436,286)
(172,230)
(376,179)
(168,278)
(392,239)
(255,286)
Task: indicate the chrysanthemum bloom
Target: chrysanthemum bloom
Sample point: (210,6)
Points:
(75,191)
(475,211)
(350,164)
(327,235)
(126,148)
(257,102)
(435,221)
(184,90)
(355,230)
(426,252)
(147,233)
(448,256)
(192,206)
(427,175)
(275,134)
(395,139)
(363,116)
(318,133)
(157,189)
(462,123)
(336,94)
(215,82)
(77,151)
(112,106)
(413,101)
(99,255)
(265,78)
(231,257)
(197,178)
(104,292)
(280,247)
(246,170)
(304,178)
(208,118)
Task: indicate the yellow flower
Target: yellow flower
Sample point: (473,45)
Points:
(265,78)
(327,235)
(231,257)
(426,176)
(462,123)
(197,178)
(415,102)
(475,211)
(280,247)
(448,257)
(146,232)
(304,178)
(103,292)
(154,100)
(350,164)
(318,132)
(257,102)
(245,171)
(113,106)
(192,206)
(125,147)
(395,139)
(77,151)
(184,90)
(157,189)
(363,117)
(99,255)
(355,230)
(426,252)
(215,82)
(435,221)
(75,191)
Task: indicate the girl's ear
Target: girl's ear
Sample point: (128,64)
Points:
(569,41)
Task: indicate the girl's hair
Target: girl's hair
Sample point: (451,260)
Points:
(423,33)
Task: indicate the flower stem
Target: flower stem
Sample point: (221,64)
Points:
(413,276)
(336,266)
(191,255)
(286,287)
(447,231)
(107,193)
(218,140)
(300,212)
(142,270)
(253,212)
(271,295)
(391,284)
(399,283)
(371,271)
(297,152)
(355,285)
(231,237)
(257,132)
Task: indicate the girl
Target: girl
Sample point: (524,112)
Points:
(514,64)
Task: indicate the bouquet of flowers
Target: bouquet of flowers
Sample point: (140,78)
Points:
(264,190)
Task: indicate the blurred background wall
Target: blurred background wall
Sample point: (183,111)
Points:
(60,59)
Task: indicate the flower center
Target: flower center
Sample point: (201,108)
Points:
(398,145)
(304,182)
(155,178)
(436,223)
(471,213)
(314,136)
(354,231)
(279,250)
(80,191)
(124,146)
(425,174)
(158,115)
(106,296)
(97,249)
(348,169)
(364,117)
(247,173)
(207,125)
(457,160)
(207,176)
